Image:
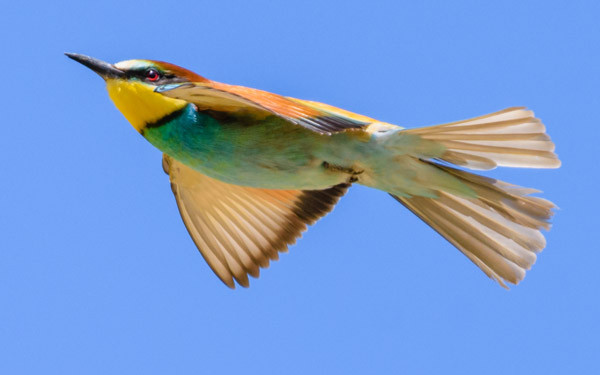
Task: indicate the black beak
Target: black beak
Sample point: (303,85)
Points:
(104,69)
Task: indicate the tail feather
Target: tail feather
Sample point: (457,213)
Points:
(479,248)
(510,138)
(499,230)
(498,225)
(508,200)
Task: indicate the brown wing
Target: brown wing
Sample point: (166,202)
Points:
(240,229)
(241,100)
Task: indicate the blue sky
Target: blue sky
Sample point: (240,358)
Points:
(98,274)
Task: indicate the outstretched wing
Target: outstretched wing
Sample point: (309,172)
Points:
(242,101)
(240,229)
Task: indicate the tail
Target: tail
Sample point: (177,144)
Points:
(496,224)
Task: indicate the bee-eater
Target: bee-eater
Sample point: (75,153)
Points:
(250,169)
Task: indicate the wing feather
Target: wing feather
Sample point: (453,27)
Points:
(239,100)
(241,229)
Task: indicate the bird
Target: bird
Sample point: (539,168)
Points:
(250,169)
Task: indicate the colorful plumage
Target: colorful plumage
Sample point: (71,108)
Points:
(251,169)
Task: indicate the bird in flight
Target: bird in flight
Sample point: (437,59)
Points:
(251,169)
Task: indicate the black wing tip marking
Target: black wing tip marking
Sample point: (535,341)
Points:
(330,124)
(310,206)
(314,204)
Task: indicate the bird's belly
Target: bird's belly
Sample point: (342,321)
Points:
(275,172)
(270,155)
(263,168)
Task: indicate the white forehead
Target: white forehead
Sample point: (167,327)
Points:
(132,64)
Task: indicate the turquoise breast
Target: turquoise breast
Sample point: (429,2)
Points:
(270,153)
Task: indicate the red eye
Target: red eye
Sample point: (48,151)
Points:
(152,75)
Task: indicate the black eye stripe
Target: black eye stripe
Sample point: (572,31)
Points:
(164,77)
(142,73)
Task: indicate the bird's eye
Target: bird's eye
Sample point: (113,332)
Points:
(152,75)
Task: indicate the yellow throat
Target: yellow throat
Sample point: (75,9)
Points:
(139,103)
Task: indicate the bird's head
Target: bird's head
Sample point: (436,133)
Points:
(132,84)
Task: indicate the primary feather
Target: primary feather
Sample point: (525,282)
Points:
(240,229)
